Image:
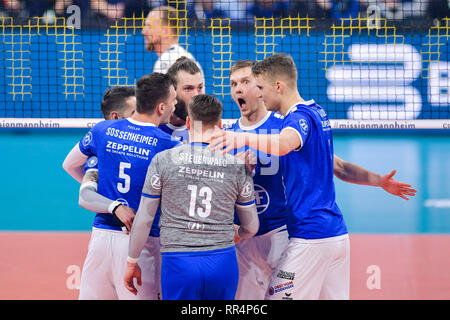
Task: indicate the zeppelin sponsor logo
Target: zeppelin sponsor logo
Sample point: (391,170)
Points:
(127,148)
(201,172)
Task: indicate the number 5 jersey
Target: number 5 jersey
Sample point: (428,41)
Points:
(124,149)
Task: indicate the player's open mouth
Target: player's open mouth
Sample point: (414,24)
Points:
(242,103)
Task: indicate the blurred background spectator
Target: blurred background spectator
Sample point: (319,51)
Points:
(400,9)
(269,8)
(439,9)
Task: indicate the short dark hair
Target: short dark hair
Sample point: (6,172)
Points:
(151,90)
(277,65)
(115,98)
(183,64)
(241,64)
(205,108)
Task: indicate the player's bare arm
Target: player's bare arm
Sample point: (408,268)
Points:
(350,172)
(74,163)
(248,216)
(274,144)
(138,236)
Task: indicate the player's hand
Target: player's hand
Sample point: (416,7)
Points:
(395,187)
(249,157)
(126,216)
(133,271)
(226,140)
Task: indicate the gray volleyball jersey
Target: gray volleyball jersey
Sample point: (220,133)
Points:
(199,190)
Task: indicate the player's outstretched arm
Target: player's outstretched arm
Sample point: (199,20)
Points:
(352,173)
(138,236)
(274,144)
(74,163)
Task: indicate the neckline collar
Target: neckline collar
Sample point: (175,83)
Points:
(256,125)
(175,128)
(305,103)
(140,123)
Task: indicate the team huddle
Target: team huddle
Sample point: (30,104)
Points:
(188,210)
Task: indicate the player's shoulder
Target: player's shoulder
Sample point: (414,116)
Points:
(98,130)
(308,107)
(300,110)
(166,137)
(276,115)
(165,128)
(176,48)
(168,156)
(275,118)
(173,53)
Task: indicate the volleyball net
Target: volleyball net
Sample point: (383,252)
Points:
(369,70)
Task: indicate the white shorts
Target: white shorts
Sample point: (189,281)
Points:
(313,269)
(104,268)
(257,259)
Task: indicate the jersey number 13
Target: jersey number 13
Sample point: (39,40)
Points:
(205,194)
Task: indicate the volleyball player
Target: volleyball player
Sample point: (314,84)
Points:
(189,82)
(124,149)
(258,256)
(309,223)
(161,34)
(118,103)
(198,191)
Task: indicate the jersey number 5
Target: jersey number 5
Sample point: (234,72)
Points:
(125,186)
(205,193)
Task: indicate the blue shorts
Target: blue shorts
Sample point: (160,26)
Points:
(203,275)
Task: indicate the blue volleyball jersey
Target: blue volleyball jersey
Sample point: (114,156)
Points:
(125,149)
(308,176)
(179,133)
(269,191)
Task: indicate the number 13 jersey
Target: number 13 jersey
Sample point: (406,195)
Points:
(199,190)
